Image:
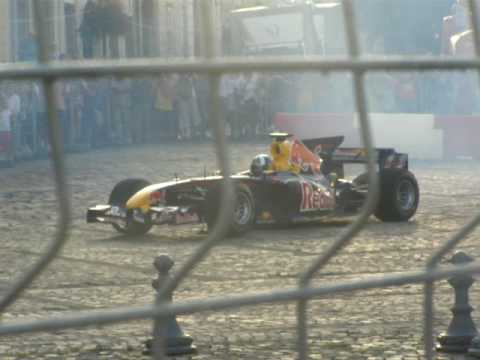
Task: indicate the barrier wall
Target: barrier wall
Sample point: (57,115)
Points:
(461,135)
(417,134)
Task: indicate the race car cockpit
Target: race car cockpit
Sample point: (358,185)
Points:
(286,157)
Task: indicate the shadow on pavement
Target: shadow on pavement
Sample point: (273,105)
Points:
(152,239)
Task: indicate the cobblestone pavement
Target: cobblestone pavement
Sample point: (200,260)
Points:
(99,269)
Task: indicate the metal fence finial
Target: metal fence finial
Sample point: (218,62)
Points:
(176,342)
(461,330)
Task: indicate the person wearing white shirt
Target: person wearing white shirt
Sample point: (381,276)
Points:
(6,146)
(14,104)
(250,107)
(5,118)
(228,101)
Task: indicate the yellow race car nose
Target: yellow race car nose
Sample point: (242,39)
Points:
(141,200)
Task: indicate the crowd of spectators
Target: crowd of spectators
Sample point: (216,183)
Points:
(95,113)
(111,111)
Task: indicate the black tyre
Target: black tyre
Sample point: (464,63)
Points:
(243,217)
(399,195)
(119,197)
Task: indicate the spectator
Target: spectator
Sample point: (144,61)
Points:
(14,107)
(38,106)
(121,111)
(380,92)
(102,95)
(305,100)
(228,104)
(89,28)
(61,93)
(165,123)
(280,97)
(14,101)
(29,118)
(201,85)
(75,107)
(464,84)
(455,24)
(263,125)
(250,106)
(198,122)
(28,48)
(405,89)
(111,22)
(380,85)
(88,121)
(6,143)
(461,16)
(187,112)
(141,94)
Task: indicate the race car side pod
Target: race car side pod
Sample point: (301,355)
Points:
(175,341)
(461,330)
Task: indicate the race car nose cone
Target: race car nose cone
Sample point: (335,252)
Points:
(141,199)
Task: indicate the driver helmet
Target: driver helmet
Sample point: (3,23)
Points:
(260,163)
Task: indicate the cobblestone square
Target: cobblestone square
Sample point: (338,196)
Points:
(100,270)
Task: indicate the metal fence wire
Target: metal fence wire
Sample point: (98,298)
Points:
(215,66)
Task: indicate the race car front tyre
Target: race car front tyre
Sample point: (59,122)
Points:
(119,197)
(243,217)
(399,195)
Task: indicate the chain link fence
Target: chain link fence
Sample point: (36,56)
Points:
(214,67)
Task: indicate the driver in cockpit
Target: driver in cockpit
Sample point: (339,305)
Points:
(280,158)
(281,152)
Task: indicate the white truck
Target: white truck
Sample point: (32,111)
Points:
(307,29)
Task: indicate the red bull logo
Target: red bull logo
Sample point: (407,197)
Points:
(315,198)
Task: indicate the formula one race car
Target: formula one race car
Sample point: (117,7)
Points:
(312,188)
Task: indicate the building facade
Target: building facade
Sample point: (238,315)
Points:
(154,28)
(18,40)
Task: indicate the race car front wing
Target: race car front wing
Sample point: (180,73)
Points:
(171,215)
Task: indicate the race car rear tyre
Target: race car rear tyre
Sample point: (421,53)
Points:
(399,195)
(119,197)
(243,217)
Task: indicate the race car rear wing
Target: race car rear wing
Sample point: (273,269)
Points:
(335,157)
(386,157)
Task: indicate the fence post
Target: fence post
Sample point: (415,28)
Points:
(175,340)
(461,330)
